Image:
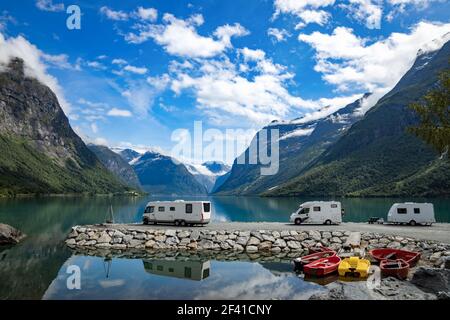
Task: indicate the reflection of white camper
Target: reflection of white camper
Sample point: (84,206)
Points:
(178,212)
(185,269)
(318,212)
(411,213)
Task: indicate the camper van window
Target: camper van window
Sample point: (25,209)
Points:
(172,209)
(161,209)
(159,268)
(305,210)
(170,269)
(401,210)
(189,208)
(316,208)
(416,210)
(206,207)
(205,273)
(187,272)
(334,205)
(149,209)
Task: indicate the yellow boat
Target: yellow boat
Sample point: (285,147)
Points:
(355,267)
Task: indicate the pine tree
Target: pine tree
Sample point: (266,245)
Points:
(434,115)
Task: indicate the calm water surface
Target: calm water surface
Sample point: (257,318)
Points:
(36,268)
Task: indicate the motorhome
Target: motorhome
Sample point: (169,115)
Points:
(185,269)
(318,212)
(411,213)
(178,212)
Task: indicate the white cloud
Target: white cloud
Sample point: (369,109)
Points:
(137,70)
(306,10)
(115,112)
(222,93)
(148,14)
(312,16)
(114,15)
(94,127)
(96,65)
(367,11)
(349,61)
(48,5)
(119,61)
(278,35)
(250,54)
(179,37)
(60,61)
(33,64)
(298,133)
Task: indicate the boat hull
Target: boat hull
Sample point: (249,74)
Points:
(300,262)
(394,268)
(322,267)
(394,254)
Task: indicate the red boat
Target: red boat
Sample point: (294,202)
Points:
(319,249)
(394,254)
(300,262)
(396,268)
(322,267)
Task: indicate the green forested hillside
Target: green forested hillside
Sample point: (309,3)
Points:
(377,156)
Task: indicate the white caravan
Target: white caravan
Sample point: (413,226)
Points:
(318,212)
(178,212)
(185,269)
(411,213)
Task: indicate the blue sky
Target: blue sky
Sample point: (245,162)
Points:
(138,70)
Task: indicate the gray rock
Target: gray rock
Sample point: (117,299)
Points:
(244,234)
(253,241)
(285,233)
(446,262)
(127,238)
(275,249)
(172,241)
(241,240)
(183,234)
(238,247)
(315,235)
(251,249)
(336,240)
(160,238)
(268,237)
(119,246)
(257,235)
(276,234)
(184,241)
(71,242)
(103,245)
(432,280)
(118,234)
(326,235)
(394,245)
(279,243)
(134,243)
(206,244)
(338,234)
(104,238)
(82,236)
(150,244)
(435,256)
(170,233)
(195,235)
(73,234)
(265,246)
(90,243)
(294,245)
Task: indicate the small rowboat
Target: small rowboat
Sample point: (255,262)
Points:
(394,254)
(300,262)
(355,267)
(318,249)
(396,268)
(322,267)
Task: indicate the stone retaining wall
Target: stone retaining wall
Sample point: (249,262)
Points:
(266,241)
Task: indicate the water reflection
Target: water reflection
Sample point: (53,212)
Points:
(169,275)
(183,269)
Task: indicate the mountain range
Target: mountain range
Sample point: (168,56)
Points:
(41,154)
(348,154)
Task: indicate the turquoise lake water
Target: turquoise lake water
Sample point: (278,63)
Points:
(36,268)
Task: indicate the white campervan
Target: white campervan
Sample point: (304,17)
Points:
(318,212)
(178,212)
(411,213)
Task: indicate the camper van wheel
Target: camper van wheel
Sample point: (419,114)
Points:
(298,221)
(412,223)
(177,223)
(328,222)
(145,221)
(183,223)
